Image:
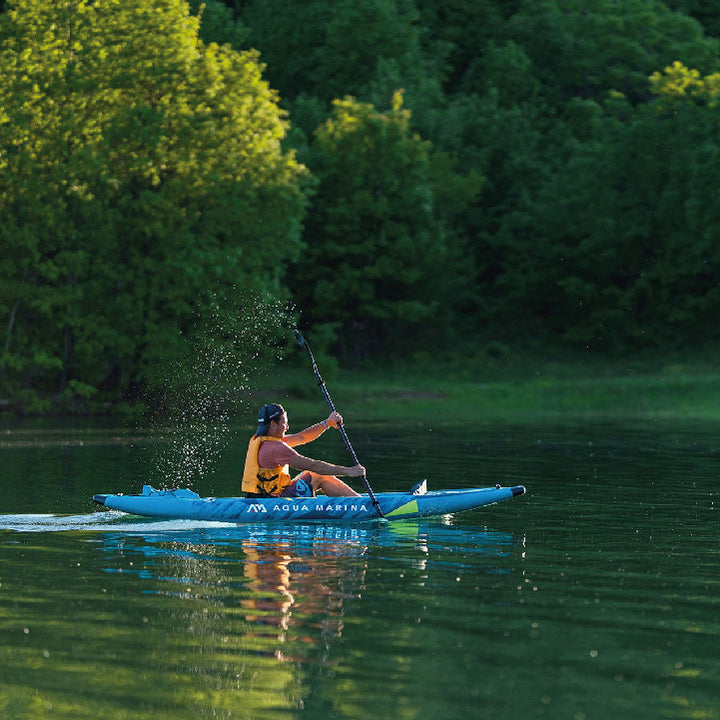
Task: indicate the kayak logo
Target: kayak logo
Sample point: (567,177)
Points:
(294,508)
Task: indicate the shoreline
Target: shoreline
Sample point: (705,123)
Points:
(563,391)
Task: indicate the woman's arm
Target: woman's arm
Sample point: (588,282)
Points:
(313,432)
(272,454)
(324,468)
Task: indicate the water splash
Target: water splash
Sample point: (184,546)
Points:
(104,521)
(229,347)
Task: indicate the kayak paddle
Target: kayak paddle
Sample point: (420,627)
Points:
(346,439)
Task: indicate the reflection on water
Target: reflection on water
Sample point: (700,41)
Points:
(290,584)
(595,596)
(224,620)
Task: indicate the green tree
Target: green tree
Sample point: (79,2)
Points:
(318,51)
(219,24)
(677,84)
(138,169)
(462,30)
(627,256)
(556,175)
(548,250)
(374,241)
(707,14)
(585,48)
(329,49)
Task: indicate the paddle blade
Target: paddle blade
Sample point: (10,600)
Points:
(301,340)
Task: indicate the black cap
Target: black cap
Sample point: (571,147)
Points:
(267,414)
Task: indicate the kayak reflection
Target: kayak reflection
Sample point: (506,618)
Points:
(300,598)
(282,591)
(272,591)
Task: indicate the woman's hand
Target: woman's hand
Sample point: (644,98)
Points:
(334,419)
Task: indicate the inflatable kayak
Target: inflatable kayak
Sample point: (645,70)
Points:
(188,505)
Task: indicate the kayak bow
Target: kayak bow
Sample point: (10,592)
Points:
(188,505)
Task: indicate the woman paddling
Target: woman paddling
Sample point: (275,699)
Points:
(270,455)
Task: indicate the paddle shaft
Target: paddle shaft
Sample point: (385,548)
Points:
(343,434)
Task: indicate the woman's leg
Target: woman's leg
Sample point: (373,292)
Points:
(329,484)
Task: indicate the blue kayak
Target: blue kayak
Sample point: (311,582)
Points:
(188,505)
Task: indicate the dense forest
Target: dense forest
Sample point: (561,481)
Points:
(400,174)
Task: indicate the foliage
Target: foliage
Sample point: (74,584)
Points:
(628,259)
(219,24)
(678,82)
(348,42)
(585,48)
(546,174)
(139,168)
(707,14)
(380,234)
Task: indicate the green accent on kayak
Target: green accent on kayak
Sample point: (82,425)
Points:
(406,509)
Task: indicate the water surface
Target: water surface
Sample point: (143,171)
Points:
(593,596)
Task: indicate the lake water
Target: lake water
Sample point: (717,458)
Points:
(595,596)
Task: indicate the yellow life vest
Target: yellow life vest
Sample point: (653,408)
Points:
(263,481)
